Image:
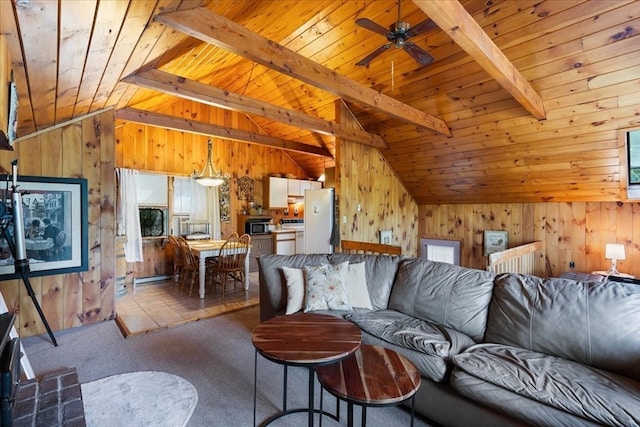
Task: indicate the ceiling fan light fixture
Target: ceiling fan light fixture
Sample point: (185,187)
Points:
(210,176)
(399,35)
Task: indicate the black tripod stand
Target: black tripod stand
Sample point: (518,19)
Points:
(17,244)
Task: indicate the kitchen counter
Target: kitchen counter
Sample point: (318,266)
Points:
(283,231)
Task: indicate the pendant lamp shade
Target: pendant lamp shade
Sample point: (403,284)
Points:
(210,176)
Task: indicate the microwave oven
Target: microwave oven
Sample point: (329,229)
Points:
(256,226)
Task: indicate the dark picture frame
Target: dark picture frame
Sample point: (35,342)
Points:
(55,213)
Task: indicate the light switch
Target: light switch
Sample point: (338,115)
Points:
(344,219)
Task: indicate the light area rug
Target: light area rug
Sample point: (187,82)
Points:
(147,398)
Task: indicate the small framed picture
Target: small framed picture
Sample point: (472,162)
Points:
(495,241)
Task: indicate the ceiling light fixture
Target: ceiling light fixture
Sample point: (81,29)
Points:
(210,176)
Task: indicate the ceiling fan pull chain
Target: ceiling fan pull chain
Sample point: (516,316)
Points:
(393,81)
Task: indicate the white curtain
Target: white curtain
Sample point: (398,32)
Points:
(128,217)
(205,206)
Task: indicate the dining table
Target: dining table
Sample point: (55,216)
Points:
(204,249)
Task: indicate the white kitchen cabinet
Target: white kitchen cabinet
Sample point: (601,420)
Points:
(316,185)
(276,190)
(284,242)
(294,188)
(305,185)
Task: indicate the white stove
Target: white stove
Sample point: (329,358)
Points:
(292,224)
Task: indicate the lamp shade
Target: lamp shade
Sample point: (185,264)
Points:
(614,251)
(210,176)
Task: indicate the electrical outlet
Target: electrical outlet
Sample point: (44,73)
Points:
(572,265)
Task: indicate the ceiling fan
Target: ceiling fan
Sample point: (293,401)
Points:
(400,32)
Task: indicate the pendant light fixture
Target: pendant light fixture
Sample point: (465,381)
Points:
(210,176)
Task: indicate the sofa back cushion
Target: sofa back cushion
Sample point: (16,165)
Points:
(380,273)
(595,323)
(453,296)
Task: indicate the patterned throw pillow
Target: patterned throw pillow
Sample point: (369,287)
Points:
(326,287)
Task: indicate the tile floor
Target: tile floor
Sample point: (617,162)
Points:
(156,305)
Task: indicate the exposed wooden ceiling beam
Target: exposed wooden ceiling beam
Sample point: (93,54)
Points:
(202,128)
(205,25)
(199,92)
(453,19)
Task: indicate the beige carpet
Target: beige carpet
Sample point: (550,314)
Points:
(147,398)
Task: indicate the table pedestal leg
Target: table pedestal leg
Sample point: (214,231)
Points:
(246,270)
(201,272)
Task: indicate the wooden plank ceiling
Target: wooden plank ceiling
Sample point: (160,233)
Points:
(521,103)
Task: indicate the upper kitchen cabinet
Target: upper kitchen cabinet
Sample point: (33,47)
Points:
(279,190)
(276,190)
(295,188)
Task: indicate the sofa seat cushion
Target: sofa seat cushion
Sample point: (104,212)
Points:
(414,334)
(573,387)
(530,411)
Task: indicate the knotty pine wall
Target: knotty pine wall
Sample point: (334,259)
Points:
(571,231)
(152,149)
(364,177)
(5,78)
(79,149)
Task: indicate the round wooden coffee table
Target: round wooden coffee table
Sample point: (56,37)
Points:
(372,376)
(303,339)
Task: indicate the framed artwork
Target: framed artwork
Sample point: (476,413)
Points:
(440,250)
(55,219)
(495,241)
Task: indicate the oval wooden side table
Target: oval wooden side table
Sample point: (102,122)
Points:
(302,339)
(372,376)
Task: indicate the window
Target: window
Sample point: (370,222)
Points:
(181,202)
(632,142)
(181,195)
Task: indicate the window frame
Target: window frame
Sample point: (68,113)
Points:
(629,191)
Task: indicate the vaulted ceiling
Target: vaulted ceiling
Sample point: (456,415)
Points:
(522,101)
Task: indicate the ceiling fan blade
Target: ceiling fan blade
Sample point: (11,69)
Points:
(372,26)
(418,53)
(365,61)
(422,27)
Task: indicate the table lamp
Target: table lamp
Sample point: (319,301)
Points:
(614,252)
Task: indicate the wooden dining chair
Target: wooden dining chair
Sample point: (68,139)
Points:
(190,265)
(228,266)
(178,259)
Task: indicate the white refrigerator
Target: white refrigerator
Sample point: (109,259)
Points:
(319,211)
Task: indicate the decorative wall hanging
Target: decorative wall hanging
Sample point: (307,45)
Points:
(225,202)
(245,188)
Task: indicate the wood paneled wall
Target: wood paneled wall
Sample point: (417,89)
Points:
(364,178)
(572,231)
(5,78)
(80,149)
(152,149)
